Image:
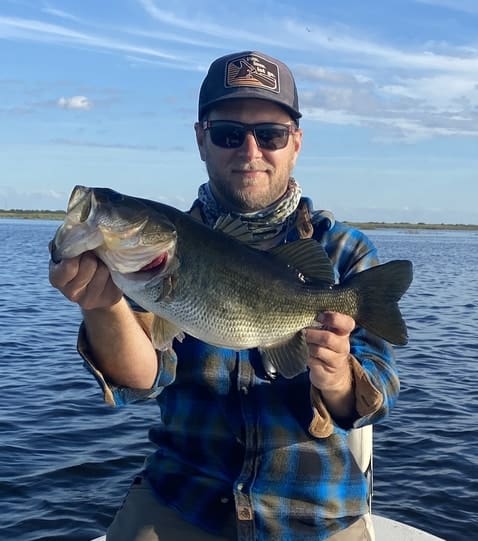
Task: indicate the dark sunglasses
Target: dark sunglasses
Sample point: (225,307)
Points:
(230,134)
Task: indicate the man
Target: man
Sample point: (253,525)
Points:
(242,452)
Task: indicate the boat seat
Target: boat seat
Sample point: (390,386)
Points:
(360,441)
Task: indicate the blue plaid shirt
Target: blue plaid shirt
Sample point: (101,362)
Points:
(232,442)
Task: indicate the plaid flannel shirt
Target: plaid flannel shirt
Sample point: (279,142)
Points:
(231,441)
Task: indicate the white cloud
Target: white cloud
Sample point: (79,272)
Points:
(60,14)
(466,6)
(213,29)
(372,54)
(81,103)
(441,91)
(37,31)
(95,144)
(406,91)
(408,107)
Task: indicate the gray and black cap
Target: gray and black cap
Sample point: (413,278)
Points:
(249,74)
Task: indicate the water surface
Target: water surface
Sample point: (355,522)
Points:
(66,459)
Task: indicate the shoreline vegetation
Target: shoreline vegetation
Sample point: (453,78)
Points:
(59,215)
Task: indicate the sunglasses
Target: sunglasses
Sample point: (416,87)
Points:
(230,134)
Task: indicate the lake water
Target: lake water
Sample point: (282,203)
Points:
(66,459)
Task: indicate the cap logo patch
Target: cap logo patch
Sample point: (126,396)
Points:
(252,71)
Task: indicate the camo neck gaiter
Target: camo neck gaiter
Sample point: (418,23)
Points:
(268,226)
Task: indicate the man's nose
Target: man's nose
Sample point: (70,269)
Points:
(250,148)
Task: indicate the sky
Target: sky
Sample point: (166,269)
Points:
(104,93)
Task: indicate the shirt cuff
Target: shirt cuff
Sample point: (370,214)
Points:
(115,395)
(368,400)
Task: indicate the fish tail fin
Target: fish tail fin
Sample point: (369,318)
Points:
(379,290)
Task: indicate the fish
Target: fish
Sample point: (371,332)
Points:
(209,283)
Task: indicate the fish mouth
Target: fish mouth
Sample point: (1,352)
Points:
(55,253)
(152,272)
(158,263)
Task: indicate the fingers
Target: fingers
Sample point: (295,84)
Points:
(89,284)
(85,280)
(331,336)
(329,350)
(60,274)
(326,346)
(340,324)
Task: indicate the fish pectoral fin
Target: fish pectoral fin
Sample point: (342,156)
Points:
(288,358)
(166,289)
(163,332)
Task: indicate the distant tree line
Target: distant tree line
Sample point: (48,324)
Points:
(33,214)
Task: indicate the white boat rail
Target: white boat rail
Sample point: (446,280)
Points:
(386,529)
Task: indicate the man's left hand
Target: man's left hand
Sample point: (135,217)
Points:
(329,350)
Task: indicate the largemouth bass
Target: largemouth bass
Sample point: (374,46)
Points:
(210,284)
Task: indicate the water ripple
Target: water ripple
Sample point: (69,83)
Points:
(67,459)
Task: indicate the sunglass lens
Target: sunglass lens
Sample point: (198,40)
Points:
(227,136)
(268,136)
(271,137)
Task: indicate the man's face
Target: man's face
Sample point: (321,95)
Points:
(248,178)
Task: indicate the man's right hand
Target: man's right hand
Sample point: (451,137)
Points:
(86,281)
(117,344)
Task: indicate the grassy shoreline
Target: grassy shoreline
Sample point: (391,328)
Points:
(59,215)
(411,226)
(33,214)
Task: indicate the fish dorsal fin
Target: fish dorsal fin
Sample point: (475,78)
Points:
(234,227)
(309,258)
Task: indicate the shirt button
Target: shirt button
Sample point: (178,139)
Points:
(245,513)
(224,500)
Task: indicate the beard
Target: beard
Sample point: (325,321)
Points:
(242,193)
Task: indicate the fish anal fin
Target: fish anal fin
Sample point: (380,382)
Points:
(288,358)
(163,332)
(308,257)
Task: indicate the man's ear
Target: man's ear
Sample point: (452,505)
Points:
(297,135)
(200,140)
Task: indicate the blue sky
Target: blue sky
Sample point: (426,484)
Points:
(104,92)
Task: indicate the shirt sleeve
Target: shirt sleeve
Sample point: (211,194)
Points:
(115,395)
(372,360)
(375,378)
(374,369)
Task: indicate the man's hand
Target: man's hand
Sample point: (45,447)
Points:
(117,344)
(330,371)
(86,281)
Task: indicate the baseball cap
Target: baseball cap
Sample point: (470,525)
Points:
(249,74)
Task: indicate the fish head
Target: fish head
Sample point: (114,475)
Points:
(126,233)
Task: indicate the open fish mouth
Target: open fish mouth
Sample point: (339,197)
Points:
(158,263)
(137,259)
(123,232)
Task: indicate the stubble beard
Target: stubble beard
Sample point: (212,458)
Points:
(244,198)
